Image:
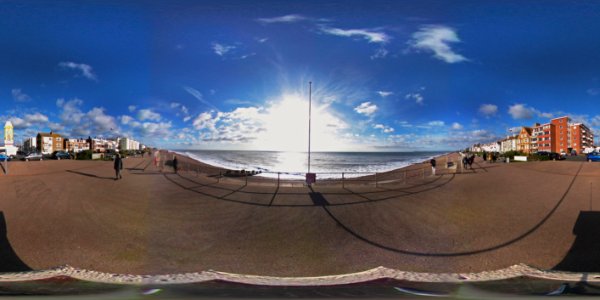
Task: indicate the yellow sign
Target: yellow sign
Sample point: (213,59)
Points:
(8,133)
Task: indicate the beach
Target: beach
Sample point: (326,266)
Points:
(156,222)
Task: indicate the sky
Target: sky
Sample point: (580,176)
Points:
(235,75)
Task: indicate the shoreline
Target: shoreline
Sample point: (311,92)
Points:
(422,165)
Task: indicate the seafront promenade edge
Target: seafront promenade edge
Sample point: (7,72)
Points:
(469,222)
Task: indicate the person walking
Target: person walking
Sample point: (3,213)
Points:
(432,162)
(175,163)
(118,166)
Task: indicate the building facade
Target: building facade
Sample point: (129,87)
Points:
(508,144)
(49,142)
(30,144)
(128,144)
(581,137)
(76,145)
(524,140)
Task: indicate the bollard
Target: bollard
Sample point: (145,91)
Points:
(246,175)
(376,185)
(219,178)
(343,180)
(278,175)
(404,177)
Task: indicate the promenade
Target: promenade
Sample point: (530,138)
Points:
(544,214)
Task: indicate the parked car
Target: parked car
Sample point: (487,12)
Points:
(33,156)
(594,156)
(551,155)
(60,155)
(4,157)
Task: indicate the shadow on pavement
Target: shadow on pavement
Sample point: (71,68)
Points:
(9,260)
(525,234)
(90,175)
(584,255)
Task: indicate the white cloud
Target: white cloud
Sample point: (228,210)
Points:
(436,39)
(488,109)
(77,123)
(221,49)
(28,121)
(205,121)
(593,91)
(384,93)
(86,70)
(415,96)
(520,111)
(384,128)
(380,53)
(155,130)
(456,126)
(366,108)
(131,108)
(148,114)
(19,96)
(370,35)
(436,123)
(262,40)
(184,110)
(125,120)
(282,19)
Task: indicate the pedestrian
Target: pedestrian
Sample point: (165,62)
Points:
(175,163)
(118,166)
(484,156)
(432,162)
(470,161)
(156,159)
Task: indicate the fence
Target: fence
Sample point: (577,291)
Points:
(413,173)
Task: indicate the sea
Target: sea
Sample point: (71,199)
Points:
(294,165)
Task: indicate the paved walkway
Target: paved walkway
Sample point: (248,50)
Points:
(151,222)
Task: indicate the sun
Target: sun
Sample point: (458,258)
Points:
(286,126)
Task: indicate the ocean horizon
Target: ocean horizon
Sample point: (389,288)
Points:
(293,165)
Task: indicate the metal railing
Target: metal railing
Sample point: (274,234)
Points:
(413,173)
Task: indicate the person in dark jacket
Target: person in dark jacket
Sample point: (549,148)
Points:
(175,164)
(118,166)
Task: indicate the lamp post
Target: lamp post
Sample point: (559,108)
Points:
(309,119)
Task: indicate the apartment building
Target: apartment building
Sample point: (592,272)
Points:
(49,142)
(128,144)
(524,140)
(508,144)
(542,137)
(562,133)
(76,145)
(30,144)
(581,137)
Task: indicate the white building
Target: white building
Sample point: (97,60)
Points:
(491,147)
(508,144)
(128,144)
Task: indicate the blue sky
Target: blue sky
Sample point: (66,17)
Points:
(386,75)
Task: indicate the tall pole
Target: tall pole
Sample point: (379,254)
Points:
(309,115)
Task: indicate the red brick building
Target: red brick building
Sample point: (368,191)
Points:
(581,137)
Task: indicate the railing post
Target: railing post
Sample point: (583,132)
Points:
(246,175)
(423,172)
(343,180)
(219,178)
(376,182)
(278,175)
(404,177)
